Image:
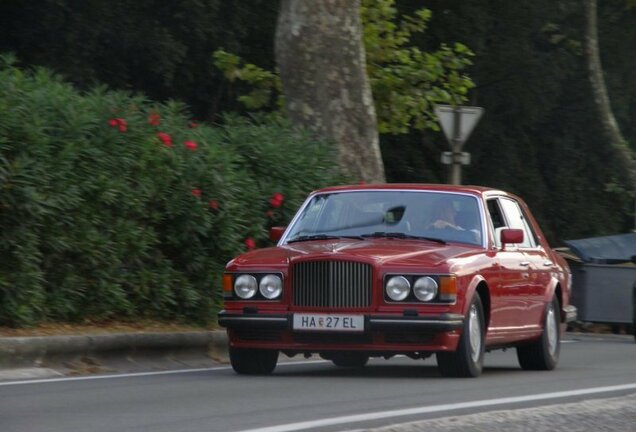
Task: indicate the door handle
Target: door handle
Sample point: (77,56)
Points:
(524,263)
(547,264)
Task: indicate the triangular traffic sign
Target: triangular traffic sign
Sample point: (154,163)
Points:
(468,117)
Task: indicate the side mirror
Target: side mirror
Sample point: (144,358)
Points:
(275,233)
(511,236)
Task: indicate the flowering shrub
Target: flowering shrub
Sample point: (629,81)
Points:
(154,119)
(165,139)
(190,145)
(118,123)
(276,200)
(101,217)
(250,243)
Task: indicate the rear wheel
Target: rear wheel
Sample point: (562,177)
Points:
(468,360)
(543,354)
(248,361)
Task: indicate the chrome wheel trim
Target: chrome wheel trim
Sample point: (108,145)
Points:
(552,332)
(474,333)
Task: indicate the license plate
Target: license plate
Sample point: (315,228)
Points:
(328,322)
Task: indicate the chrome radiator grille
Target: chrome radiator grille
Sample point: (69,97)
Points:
(332,284)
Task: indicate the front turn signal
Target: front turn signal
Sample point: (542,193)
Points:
(448,289)
(227,285)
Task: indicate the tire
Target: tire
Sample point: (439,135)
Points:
(468,360)
(247,361)
(350,359)
(543,354)
(634,310)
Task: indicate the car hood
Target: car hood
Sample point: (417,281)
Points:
(396,252)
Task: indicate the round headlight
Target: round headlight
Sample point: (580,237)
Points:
(398,288)
(245,286)
(425,288)
(271,286)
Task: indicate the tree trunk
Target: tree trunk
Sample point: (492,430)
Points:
(624,155)
(321,58)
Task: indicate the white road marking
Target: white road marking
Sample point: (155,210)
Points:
(142,374)
(438,408)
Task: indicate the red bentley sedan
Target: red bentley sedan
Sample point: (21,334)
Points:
(381,270)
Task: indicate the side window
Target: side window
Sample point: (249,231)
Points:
(496,219)
(515,219)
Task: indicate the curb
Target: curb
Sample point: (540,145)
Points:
(42,350)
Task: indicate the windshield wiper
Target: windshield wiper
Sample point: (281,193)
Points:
(400,235)
(322,237)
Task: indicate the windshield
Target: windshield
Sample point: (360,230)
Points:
(442,217)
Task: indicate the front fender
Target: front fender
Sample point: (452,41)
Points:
(470,292)
(568,312)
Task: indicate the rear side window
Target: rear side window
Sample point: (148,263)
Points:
(497,219)
(515,219)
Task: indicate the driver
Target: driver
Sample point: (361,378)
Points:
(443,216)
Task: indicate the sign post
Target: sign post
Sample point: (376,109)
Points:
(457,123)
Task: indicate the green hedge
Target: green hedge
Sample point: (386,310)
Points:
(102,216)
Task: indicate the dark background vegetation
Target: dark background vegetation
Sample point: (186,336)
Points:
(539,138)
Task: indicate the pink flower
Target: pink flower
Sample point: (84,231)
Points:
(193,125)
(119,123)
(214,204)
(165,139)
(250,243)
(123,126)
(154,119)
(269,214)
(190,145)
(196,192)
(276,200)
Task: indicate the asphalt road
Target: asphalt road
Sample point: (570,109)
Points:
(316,395)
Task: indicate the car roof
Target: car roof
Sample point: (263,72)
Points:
(475,190)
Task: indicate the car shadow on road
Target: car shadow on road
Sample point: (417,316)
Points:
(380,371)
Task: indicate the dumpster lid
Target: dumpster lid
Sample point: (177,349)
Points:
(614,249)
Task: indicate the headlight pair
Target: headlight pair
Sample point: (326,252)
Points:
(270,286)
(399,288)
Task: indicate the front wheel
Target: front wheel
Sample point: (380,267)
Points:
(468,360)
(248,361)
(543,354)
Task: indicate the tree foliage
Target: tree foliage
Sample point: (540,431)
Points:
(320,54)
(540,136)
(77,239)
(157,47)
(406,81)
(113,206)
(623,155)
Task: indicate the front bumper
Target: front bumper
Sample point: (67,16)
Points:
(430,323)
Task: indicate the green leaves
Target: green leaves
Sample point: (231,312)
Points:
(266,87)
(406,82)
(98,219)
